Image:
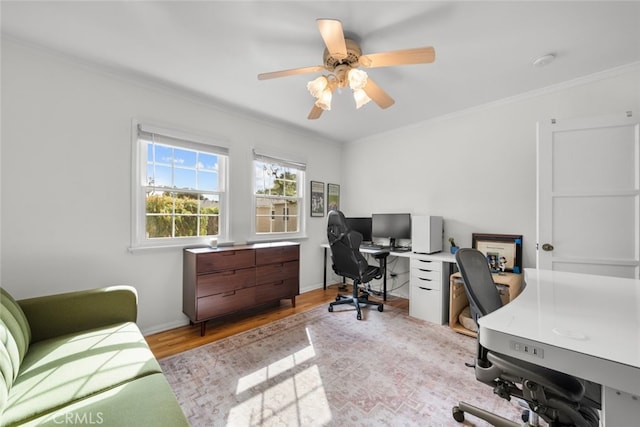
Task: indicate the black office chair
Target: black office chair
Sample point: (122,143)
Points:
(558,398)
(348,262)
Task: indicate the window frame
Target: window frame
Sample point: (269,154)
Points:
(184,140)
(301,198)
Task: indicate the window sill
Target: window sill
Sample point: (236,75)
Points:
(280,238)
(171,245)
(183,245)
(134,249)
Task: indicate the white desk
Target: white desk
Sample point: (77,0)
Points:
(585,325)
(382,254)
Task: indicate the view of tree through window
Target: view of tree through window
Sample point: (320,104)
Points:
(277,197)
(182,192)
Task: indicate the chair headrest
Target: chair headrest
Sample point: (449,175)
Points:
(336,226)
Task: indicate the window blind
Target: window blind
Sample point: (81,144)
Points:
(170,137)
(284,162)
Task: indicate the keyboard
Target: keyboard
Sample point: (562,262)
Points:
(372,246)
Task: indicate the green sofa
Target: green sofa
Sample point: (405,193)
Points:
(79,359)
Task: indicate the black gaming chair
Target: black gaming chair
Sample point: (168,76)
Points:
(349,262)
(559,399)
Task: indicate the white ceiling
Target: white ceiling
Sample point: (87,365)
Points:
(483,49)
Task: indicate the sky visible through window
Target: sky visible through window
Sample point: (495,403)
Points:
(267,176)
(173,167)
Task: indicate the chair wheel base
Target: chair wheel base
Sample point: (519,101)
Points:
(358,300)
(458,414)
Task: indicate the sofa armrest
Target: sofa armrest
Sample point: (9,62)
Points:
(54,315)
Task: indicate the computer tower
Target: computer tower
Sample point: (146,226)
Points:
(426,234)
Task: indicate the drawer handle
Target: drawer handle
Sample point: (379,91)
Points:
(424,260)
(423,269)
(425,289)
(425,279)
(229,294)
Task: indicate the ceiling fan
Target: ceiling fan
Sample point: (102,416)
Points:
(342,59)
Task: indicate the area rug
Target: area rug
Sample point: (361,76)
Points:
(328,369)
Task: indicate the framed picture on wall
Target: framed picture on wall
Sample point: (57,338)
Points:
(503,251)
(333,197)
(317,198)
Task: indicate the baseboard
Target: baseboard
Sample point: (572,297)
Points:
(164,327)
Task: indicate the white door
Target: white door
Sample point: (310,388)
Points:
(588,195)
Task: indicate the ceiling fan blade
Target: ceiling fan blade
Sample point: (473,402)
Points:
(290,72)
(420,55)
(378,95)
(315,112)
(333,36)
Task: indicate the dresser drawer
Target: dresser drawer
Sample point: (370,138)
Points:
(225,303)
(225,281)
(274,255)
(277,272)
(225,260)
(282,289)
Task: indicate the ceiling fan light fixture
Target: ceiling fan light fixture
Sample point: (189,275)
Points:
(317,86)
(324,100)
(360,97)
(341,59)
(357,79)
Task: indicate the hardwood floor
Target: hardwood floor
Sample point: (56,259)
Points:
(177,340)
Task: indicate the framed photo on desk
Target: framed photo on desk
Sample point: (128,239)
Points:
(503,251)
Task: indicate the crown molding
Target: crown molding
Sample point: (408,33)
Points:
(558,87)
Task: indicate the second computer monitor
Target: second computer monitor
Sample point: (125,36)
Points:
(393,226)
(362,226)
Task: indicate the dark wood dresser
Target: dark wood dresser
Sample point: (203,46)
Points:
(225,280)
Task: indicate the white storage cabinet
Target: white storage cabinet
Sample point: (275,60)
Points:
(428,297)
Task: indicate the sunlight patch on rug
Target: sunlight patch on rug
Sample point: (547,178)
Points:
(286,400)
(328,369)
(286,403)
(276,368)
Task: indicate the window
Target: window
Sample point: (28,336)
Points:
(278,196)
(180,190)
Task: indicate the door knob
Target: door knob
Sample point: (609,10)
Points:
(547,247)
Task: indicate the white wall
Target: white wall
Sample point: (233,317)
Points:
(477,168)
(66,179)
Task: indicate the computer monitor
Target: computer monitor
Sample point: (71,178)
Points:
(362,226)
(393,226)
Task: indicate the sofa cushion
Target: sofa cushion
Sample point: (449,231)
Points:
(15,336)
(66,369)
(147,401)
